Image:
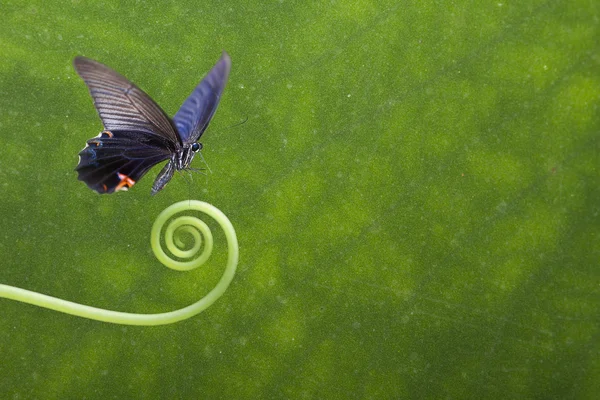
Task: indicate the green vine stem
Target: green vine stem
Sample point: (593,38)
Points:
(191,225)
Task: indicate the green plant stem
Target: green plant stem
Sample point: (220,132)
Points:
(179,224)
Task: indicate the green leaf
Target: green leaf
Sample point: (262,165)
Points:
(415,193)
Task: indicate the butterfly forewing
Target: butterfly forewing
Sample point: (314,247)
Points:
(121,104)
(197,110)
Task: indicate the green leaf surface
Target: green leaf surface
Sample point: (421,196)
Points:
(415,192)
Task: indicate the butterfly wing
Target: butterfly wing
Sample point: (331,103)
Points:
(116,160)
(123,106)
(196,112)
(138,134)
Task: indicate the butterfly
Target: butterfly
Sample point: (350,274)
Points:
(137,133)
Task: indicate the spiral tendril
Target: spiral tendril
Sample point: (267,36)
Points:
(202,239)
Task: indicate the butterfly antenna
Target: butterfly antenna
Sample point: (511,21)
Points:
(188,179)
(190,192)
(184,176)
(239,123)
(231,126)
(204,161)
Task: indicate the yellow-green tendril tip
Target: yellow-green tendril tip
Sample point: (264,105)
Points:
(201,234)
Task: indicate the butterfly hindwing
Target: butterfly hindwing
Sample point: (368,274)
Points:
(196,112)
(116,160)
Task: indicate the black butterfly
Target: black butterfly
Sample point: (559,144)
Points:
(138,134)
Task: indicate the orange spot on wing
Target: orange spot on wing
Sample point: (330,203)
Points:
(108,133)
(126,182)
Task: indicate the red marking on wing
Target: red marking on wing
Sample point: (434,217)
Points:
(126,182)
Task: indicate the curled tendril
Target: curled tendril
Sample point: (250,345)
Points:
(193,226)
